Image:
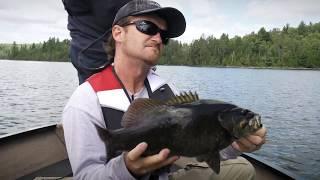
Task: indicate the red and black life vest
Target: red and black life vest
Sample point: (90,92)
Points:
(113,98)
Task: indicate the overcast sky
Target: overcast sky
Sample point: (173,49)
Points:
(26,21)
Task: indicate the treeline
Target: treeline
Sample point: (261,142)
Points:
(51,50)
(286,47)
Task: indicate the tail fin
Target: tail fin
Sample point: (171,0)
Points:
(106,136)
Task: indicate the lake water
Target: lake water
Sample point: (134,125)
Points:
(34,93)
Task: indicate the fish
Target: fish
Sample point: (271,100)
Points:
(185,124)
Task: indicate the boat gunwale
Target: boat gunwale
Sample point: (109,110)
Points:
(249,156)
(267,164)
(33,130)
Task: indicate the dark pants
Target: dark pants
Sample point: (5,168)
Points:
(87,63)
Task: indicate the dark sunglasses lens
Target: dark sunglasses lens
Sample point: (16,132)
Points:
(147,27)
(150,28)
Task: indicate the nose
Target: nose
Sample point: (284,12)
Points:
(157,37)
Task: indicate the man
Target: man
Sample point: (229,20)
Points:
(89,22)
(139,32)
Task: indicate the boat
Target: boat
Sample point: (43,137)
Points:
(40,153)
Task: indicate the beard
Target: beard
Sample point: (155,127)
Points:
(149,55)
(154,50)
(148,52)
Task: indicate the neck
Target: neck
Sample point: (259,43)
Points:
(131,73)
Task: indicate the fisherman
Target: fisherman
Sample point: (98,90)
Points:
(140,30)
(89,23)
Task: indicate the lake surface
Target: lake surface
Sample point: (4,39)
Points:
(34,93)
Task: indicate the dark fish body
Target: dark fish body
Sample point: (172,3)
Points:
(186,125)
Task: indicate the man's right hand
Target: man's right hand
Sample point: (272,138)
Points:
(140,166)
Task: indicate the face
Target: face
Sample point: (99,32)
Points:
(140,46)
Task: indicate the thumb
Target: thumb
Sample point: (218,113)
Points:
(136,152)
(236,146)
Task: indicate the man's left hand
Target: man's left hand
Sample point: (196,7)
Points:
(252,142)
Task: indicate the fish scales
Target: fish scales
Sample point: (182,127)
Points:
(185,124)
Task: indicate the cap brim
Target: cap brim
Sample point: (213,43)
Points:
(175,20)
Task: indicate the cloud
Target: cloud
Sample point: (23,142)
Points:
(37,20)
(271,11)
(32,20)
(178,4)
(201,17)
(210,17)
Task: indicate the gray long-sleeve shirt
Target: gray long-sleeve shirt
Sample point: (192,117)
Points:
(86,150)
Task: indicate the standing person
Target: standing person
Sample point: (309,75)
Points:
(89,22)
(139,32)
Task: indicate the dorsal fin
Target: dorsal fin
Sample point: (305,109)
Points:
(137,109)
(183,98)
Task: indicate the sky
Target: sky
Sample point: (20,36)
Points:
(28,21)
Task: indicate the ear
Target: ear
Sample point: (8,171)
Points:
(118,33)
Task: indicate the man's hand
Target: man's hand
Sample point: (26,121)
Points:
(252,142)
(139,165)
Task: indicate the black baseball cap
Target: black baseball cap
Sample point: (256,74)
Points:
(175,20)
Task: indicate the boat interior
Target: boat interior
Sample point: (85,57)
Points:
(40,154)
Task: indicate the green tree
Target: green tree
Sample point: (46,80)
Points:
(263,35)
(14,51)
(302,28)
(286,47)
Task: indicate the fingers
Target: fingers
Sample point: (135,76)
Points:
(163,154)
(158,160)
(139,165)
(244,145)
(261,132)
(258,138)
(135,153)
(252,139)
(252,142)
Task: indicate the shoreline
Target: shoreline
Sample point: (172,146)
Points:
(239,67)
(249,67)
(276,68)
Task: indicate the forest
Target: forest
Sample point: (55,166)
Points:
(289,47)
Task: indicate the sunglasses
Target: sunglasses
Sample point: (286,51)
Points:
(149,28)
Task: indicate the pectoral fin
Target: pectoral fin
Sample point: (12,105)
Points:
(214,162)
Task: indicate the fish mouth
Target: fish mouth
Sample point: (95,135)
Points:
(255,122)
